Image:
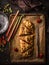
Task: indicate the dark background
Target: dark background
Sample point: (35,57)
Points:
(4,56)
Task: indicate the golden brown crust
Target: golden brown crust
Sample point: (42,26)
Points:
(26,41)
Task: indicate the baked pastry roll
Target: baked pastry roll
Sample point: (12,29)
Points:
(26,37)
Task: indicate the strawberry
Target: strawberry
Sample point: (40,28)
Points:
(39,20)
(40,55)
(16,49)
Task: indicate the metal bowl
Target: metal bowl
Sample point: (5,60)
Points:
(4,23)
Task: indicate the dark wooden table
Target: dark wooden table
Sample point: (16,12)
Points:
(4,56)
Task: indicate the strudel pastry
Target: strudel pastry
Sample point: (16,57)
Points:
(26,37)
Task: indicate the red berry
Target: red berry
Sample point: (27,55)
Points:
(40,55)
(2,37)
(39,20)
(16,49)
(4,42)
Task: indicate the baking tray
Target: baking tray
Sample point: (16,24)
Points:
(14,56)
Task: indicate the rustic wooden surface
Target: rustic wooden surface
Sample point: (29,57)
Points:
(46,4)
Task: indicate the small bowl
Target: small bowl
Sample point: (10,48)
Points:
(4,22)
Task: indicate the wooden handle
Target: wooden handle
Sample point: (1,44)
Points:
(12,23)
(12,30)
(15,26)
